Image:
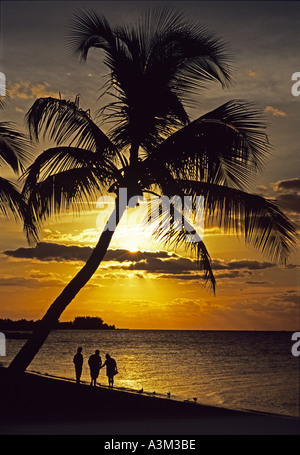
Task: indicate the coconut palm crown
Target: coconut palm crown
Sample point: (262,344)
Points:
(155,69)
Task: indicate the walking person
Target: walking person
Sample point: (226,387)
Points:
(95,363)
(111,369)
(78,362)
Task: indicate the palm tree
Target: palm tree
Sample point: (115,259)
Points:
(14,154)
(155,69)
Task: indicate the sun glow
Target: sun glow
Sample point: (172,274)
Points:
(132,246)
(133,238)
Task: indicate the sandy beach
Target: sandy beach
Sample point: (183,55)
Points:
(33,404)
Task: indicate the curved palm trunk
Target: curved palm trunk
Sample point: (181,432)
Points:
(35,342)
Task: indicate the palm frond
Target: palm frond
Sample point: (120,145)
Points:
(172,228)
(66,177)
(226,146)
(13,203)
(262,224)
(57,159)
(15,147)
(65,122)
(77,189)
(88,29)
(10,199)
(194,55)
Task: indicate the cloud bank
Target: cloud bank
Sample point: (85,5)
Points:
(161,263)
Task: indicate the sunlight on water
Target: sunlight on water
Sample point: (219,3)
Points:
(240,370)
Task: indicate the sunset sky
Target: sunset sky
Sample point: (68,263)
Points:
(140,284)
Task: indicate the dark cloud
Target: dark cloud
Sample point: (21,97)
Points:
(183,276)
(291,185)
(289,202)
(232,274)
(291,266)
(199,277)
(242,264)
(171,265)
(45,251)
(184,268)
(29,282)
(293,299)
(158,262)
(121,255)
(288,195)
(38,282)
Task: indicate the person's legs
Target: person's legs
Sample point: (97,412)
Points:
(78,375)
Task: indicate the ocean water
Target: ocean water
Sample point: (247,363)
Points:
(232,369)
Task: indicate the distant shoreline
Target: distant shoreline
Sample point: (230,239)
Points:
(79,323)
(30,325)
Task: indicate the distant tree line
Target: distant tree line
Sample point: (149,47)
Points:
(79,323)
(86,323)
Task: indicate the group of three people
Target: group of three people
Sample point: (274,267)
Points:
(95,364)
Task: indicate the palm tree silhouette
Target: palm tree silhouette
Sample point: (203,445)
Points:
(155,69)
(15,153)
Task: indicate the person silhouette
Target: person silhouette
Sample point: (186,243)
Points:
(95,365)
(78,362)
(111,369)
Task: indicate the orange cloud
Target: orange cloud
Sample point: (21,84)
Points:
(274,111)
(27,90)
(252,73)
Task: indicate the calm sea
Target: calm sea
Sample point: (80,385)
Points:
(233,369)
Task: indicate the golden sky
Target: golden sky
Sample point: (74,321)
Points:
(140,284)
